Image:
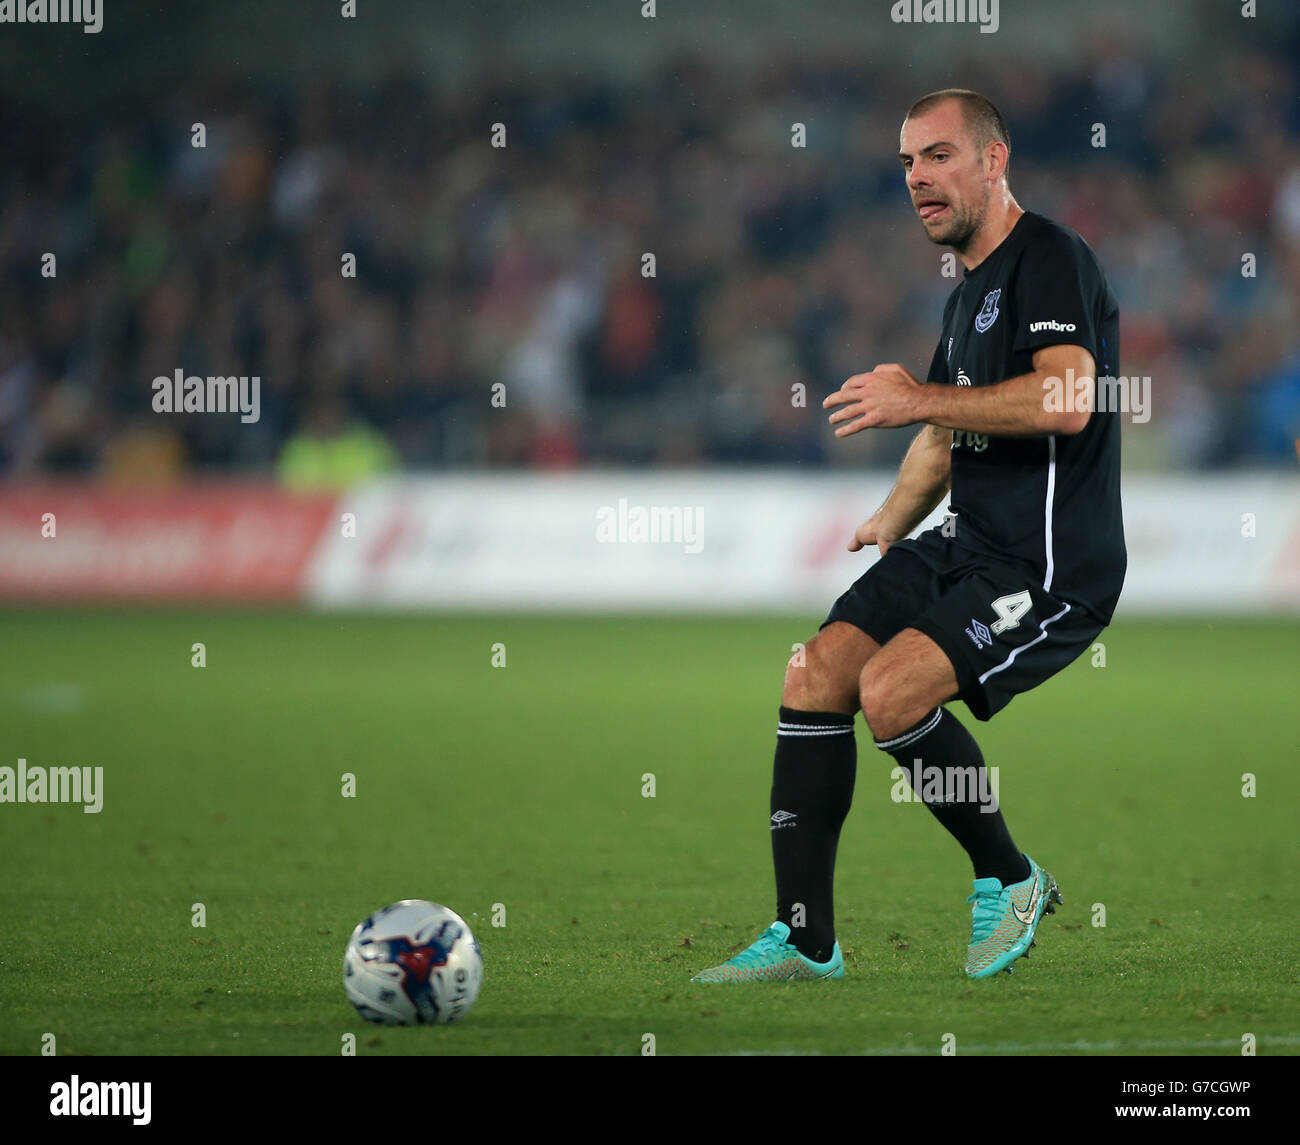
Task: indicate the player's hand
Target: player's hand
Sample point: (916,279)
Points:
(872,533)
(888,396)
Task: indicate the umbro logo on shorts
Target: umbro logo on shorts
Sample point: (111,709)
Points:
(783,819)
(979,634)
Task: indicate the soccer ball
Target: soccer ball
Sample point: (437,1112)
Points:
(414,963)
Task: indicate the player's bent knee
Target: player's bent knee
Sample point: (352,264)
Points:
(817,680)
(805,685)
(878,700)
(873,701)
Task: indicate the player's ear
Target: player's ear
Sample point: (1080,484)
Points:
(997,156)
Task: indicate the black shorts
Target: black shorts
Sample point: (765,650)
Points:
(1003,633)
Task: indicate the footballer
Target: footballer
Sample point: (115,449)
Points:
(1015,584)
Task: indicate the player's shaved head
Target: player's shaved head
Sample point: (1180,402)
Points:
(954,148)
(983,120)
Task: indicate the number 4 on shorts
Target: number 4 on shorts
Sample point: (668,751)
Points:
(1010,609)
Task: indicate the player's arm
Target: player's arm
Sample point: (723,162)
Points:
(923,481)
(1044,401)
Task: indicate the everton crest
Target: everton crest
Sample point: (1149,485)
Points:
(989,312)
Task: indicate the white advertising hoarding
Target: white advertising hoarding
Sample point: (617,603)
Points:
(769,541)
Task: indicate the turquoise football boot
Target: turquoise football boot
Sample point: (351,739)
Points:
(1004,920)
(772,959)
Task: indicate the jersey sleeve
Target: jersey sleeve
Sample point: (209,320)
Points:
(1053,298)
(938,371)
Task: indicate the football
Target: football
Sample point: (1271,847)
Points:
(414,963)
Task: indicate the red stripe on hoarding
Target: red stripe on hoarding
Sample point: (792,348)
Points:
(206,542)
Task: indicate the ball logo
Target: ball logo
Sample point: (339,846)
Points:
(459,992)
(419,961)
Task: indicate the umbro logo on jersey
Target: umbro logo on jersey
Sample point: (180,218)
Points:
(1050,324)
(979,634)
(1027,915)
(989,312)
(783,819)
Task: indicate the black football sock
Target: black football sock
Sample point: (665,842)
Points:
(946,769)
(812,790)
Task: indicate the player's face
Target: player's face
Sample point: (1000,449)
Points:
(945,175)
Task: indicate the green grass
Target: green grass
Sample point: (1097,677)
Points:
(522,785)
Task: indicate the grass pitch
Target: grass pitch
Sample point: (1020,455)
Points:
(524,785)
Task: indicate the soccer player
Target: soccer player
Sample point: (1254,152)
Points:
(1020,578)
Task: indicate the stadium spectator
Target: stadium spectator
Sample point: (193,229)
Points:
(525,266)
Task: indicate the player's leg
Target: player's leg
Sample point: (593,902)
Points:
(813,775)
(815,767)
(1000,636)
(903,689)
(812,789)
(824,675)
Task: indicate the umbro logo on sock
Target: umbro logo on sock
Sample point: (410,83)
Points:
(783,819)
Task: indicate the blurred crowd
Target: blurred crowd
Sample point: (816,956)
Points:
(504,313)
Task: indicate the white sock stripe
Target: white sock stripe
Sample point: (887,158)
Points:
(914,734)
(814,729)
(793,724)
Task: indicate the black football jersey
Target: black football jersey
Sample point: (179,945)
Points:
(1050,502)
